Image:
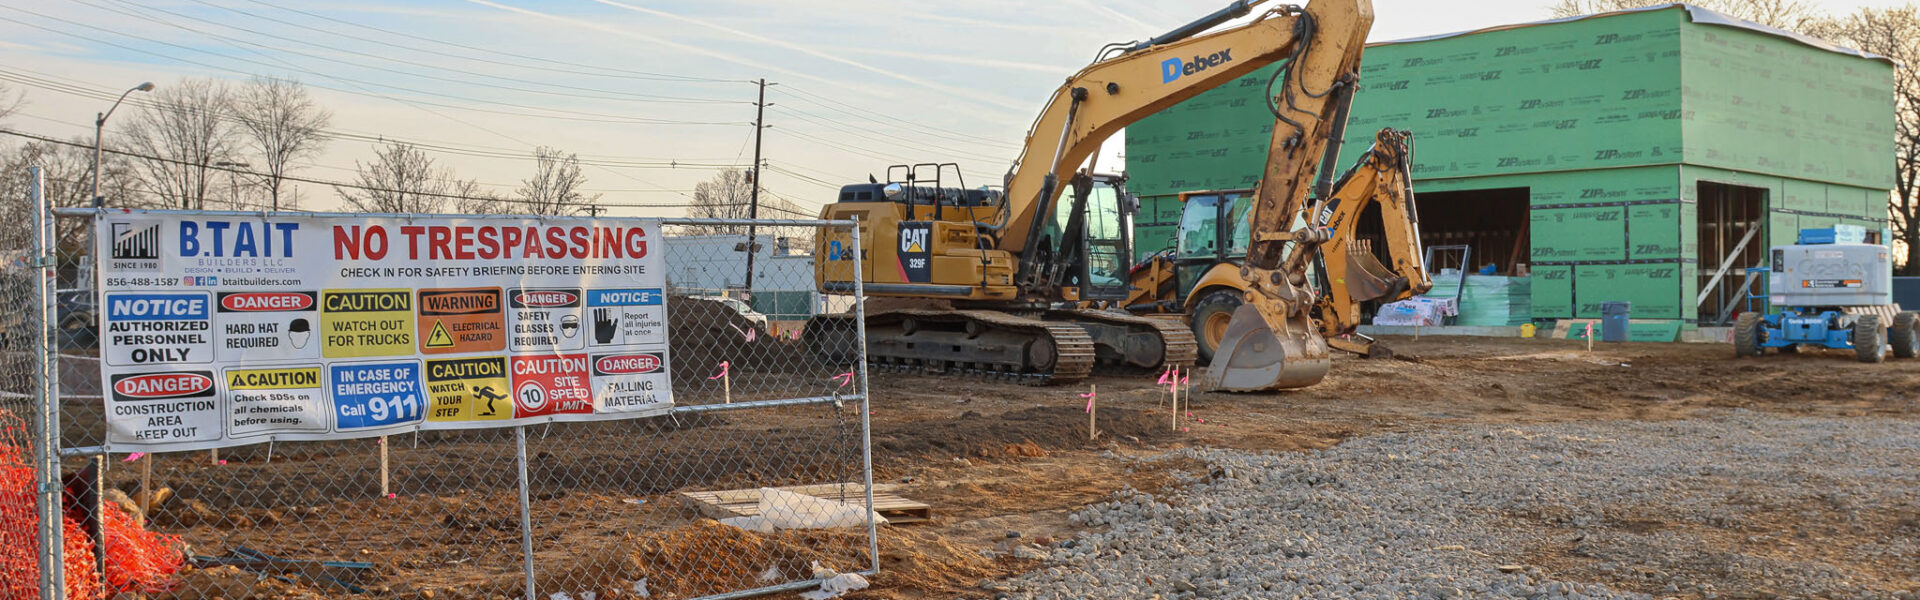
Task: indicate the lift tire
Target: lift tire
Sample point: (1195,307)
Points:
(1869,339)
(1217,305)
(1905,335)
(1746,335)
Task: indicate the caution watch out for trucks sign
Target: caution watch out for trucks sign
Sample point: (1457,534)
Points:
(227,330)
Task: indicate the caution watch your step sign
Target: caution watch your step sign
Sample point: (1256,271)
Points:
(227,329)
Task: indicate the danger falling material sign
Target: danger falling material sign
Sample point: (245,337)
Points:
(226,330)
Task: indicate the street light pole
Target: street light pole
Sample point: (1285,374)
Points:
(99,126)
(233,177)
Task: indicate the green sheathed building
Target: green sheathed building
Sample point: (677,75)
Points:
(1618,157)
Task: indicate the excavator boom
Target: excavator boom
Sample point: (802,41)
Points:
(1271,341)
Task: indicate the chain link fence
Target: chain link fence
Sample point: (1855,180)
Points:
(676,506)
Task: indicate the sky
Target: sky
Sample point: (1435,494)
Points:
(655,96)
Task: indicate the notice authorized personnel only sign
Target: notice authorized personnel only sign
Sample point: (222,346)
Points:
(222,330)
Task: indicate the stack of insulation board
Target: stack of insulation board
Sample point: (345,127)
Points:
(1488,300)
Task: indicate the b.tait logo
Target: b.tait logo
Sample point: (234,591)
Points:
(158,386)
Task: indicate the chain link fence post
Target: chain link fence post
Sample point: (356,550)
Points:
(526,509)
(46,413)
(866,396)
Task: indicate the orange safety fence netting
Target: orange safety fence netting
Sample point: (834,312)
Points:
(138,560)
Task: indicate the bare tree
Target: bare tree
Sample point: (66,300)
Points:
(282,124)
(9,105)
(401,179)
(726,196)
(555,188)
(68,172)
(475,199)
(1895,34)
(184,131)
(1791,15)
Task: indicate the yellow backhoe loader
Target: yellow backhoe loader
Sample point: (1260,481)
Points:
(993,282)
(1201,278)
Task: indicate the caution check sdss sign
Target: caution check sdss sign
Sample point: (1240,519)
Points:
(227,330)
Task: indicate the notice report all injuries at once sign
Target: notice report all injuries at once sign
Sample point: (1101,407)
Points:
(222,330)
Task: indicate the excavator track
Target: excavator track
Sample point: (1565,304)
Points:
(1179,348)
(982,344)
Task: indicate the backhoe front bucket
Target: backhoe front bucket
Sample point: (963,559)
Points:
(1252,359)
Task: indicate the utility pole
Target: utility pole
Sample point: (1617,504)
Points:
(753,201)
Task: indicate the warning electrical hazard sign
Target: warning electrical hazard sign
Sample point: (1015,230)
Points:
(461,320)
(366,323)
(469,389)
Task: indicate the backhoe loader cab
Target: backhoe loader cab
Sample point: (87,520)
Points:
(1202,268)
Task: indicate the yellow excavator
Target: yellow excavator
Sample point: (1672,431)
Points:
(994,282)
(1201,279)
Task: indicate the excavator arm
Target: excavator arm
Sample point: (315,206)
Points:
(1352,272)
(1320,44)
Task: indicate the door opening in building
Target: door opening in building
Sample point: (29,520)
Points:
(1493,223)
(1729,215)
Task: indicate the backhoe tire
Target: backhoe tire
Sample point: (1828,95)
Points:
(1869,339)
(1210,316)
(1905,335)
(1746,335)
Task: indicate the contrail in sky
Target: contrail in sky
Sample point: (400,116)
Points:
(952,91)
(655,40)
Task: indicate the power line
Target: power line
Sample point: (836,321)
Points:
(842,147)
(886,119)
(805,178)
(823,175)
(623,73)
(855,131)
(58,84)
(615,95)
(789,211)
(420,105)
(567,115)
(337,184)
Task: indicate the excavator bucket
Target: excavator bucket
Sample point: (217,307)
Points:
(1252,359)
(1367,279)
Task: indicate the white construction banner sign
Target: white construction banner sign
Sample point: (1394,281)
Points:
(223,330)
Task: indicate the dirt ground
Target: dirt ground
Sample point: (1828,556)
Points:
(995,459)
(998,461)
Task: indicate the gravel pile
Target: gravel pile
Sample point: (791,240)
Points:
(1458,513)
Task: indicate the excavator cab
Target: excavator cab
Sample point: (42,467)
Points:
(1099,254)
